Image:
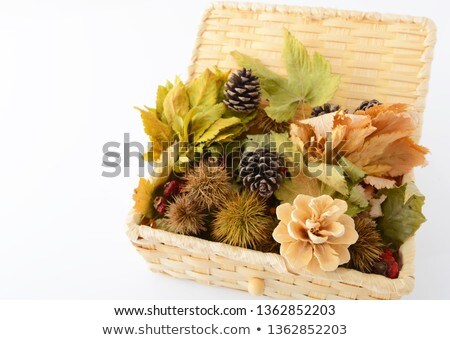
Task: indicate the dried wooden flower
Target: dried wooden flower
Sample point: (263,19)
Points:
(315,233)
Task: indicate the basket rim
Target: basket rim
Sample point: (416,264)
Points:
(141,235)
(318,13)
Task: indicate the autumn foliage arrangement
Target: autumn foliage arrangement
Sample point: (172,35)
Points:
(262,161)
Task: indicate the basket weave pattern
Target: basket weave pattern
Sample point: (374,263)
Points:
(385,57)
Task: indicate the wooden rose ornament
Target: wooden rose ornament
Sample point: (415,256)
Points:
(315,233)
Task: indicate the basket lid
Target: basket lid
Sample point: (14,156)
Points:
(386,57)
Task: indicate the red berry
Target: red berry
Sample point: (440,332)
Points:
(392,269)
(388,255)
(160,204)
(172,188)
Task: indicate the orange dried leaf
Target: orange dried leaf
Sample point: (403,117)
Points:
(355,138)
(376,140)
(402,156)
(372,148)
(143,196)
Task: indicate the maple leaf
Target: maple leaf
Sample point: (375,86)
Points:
(401,157)
(389,151)
(402,214)
(378,142)
(309,79)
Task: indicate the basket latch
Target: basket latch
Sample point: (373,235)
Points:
(256,286)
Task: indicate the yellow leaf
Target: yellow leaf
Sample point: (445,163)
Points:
(176,103)
(160,133)
(221,79)
(205,118)
(203,90)
(160,96)
(143,197)
(228,134)
(144,194)
(214,129)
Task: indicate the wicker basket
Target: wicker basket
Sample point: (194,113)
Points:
(379,56)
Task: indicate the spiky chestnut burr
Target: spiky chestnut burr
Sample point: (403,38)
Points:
(242,221)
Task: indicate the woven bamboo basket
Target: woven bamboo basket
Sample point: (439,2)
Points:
(387,57)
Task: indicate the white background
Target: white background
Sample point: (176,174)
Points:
(70,73)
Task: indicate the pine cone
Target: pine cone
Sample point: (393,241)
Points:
(262,171)
(242,93)
(322,110)
(367,105)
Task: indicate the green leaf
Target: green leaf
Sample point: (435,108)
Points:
(402,215)
(206,118)
(356,200)
(309,79)
(354,173)
(331,175)
(354,209)
(275,88)
(411,190)
(357,197)
(176,103)
(301,184)
(281,112)
(214,129)
(270,79)
(203,90)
